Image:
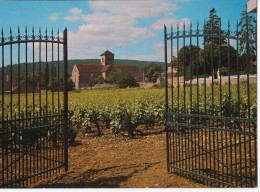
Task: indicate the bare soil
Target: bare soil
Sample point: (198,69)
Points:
(110,161)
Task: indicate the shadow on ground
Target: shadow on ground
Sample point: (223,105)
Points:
(84,180)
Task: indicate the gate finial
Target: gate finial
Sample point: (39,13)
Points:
(171,30)
(237,29)
(197,27)
(190,27)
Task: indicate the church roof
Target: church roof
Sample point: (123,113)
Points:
(85,68)
(133,69)
(5,79)
(107,53)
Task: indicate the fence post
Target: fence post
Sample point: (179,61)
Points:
(65,98)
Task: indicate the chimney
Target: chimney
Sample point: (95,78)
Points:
(7,78)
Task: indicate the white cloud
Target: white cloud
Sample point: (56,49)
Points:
(54,16)
(145,58)
(158,25)
(113,25)
(43,51)
(135,9)
(159,50)
(75,14)
(109,19)
(104,31)
(92,38)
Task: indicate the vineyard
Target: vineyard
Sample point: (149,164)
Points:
(131,112)
(125,109)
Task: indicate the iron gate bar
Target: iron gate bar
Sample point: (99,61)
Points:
(28,151)
(3,125)
(209,35)
(18,158)
(202,176)
(212,128)
(211,117)
(256,173)
(205,127)
(225,165)
(166,94)
(65,99)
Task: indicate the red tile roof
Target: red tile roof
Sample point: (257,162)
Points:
(105,68)
(107,53)
(20,83)
(133,69)
(85,68)
(5,79)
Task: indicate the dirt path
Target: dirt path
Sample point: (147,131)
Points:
(117,161)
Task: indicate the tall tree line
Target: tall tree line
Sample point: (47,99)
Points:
(216,47)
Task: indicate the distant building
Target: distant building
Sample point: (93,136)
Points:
(22,85)
(82,74)
(11,85)
(172,73)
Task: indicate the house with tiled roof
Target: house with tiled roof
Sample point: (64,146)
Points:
(8,82)
(172,73)
(11,85)
(82,74)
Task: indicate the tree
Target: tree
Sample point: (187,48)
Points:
(213,27)
(97,80)
(152,72)
(113,76)
(188,54)
(60,84)
(246,24)
(209,54)
(122,80)
(33,78)
(126,80)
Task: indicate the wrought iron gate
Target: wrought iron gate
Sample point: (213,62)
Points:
(211,106)
(34,107)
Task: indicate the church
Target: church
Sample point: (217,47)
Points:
(82,74)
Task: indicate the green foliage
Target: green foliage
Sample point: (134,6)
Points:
(212,52)
(97,80)
(247,27)
(114,76)
(46,80)
(126,109)
(122,80)
(152,72)
(187,55)
(126,80)
(213,27)
(245,60)
(59,65)
(160,85)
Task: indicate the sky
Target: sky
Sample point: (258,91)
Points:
(129,29)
